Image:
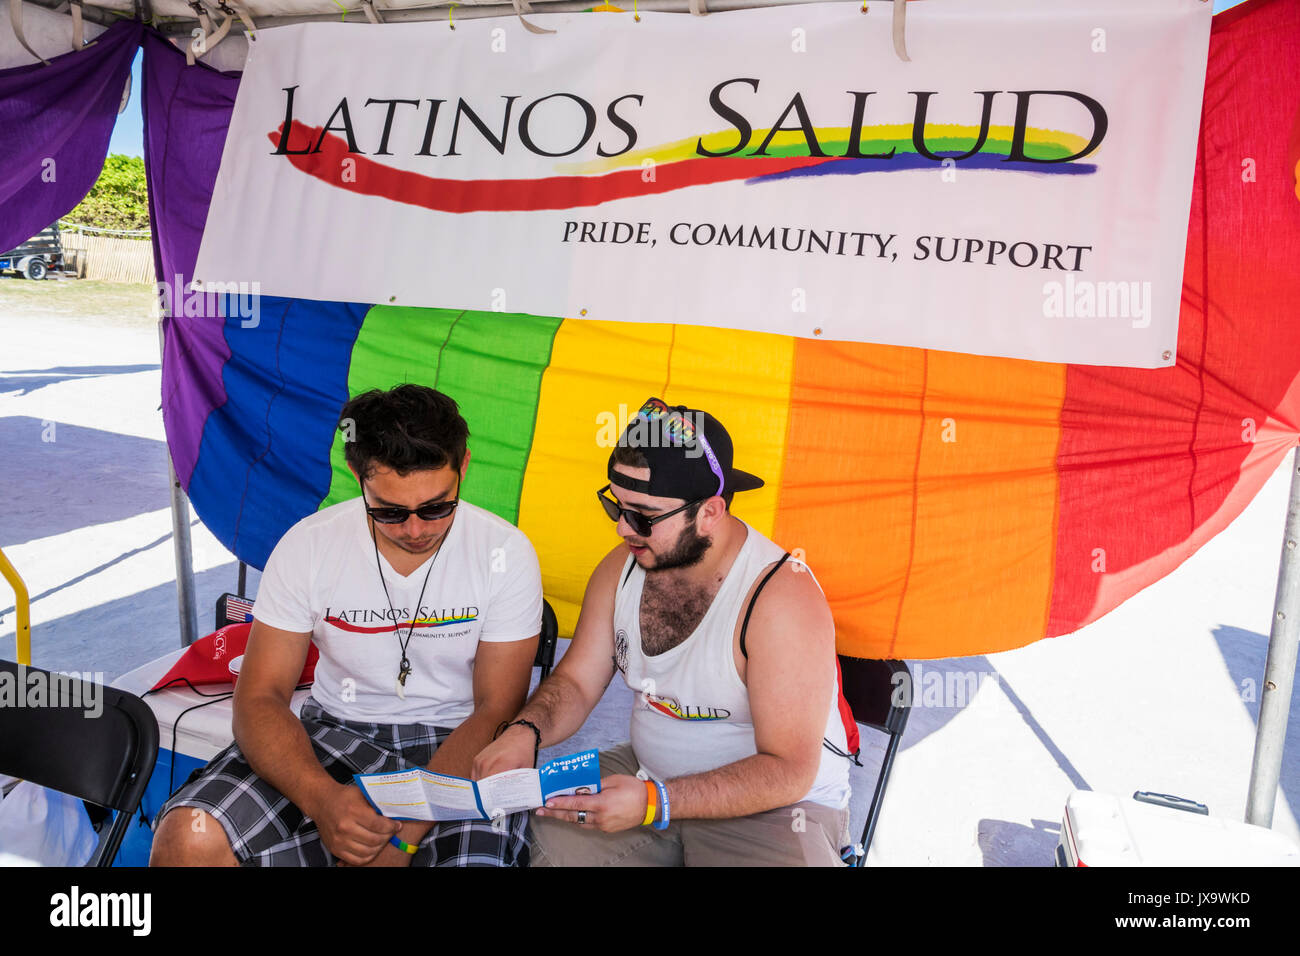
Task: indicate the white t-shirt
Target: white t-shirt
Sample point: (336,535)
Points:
(322,577)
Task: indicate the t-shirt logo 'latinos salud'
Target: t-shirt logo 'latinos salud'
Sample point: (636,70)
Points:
(384,620)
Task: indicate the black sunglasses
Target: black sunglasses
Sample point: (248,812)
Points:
(638,522)
(395,515)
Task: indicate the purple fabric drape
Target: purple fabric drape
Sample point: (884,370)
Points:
(55,124)
(186,114)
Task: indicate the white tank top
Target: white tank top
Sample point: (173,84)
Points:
(692,710)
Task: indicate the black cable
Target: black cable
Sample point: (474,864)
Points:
(188,684)
(840,753)
(215,698)
(171,766)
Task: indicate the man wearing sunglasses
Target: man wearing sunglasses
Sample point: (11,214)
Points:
(737,749)
(425,610)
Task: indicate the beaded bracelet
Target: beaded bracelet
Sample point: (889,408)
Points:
(537,735)
(403,845)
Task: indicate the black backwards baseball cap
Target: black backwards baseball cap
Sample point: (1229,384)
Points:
(689,453)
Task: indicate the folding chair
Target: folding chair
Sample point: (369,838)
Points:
(550,636)
(233,609)
(103,758)
(880,700)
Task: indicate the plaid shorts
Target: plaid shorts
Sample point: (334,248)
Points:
(266,829)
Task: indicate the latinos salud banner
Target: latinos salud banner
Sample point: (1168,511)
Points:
(1019,188)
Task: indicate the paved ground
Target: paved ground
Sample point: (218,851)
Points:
(1159,695)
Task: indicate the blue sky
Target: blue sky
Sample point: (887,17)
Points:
(128,133)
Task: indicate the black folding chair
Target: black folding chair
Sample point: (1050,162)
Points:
(102,754)
(550,636)
(233,609)
(880,694)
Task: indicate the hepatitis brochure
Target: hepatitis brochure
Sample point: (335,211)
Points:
(419,794)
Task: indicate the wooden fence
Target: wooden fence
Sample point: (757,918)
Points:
(109,258)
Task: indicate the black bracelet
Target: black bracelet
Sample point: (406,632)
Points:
(537,736)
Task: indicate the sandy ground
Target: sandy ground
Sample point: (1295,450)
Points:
(1159,695)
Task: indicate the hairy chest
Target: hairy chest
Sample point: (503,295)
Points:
(670,616)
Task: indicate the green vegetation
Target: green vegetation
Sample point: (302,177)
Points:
(118,200)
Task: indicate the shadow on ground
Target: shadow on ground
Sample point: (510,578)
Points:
(25,380)
(1244,653)
(83,476)
(121,635)
(1003,843)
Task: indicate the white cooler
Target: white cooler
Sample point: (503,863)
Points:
(1100,829)
(200,734)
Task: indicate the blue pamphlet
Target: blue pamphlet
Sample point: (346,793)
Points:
(419,794)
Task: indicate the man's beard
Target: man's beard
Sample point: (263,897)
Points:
(686,552)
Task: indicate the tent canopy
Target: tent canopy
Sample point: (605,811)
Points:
(1073,487)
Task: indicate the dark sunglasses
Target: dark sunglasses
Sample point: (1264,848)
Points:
(640,523)
(394,515)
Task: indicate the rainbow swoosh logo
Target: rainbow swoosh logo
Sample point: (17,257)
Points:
(670,708)
(386,628)
(677,166)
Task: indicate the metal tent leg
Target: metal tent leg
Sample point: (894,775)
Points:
(1279,669)
(185,603)
(189,620)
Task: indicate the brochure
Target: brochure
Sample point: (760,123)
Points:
(420,794)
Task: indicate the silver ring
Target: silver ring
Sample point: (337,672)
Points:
(582,816)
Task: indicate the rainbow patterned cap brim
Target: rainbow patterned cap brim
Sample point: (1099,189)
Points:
(689,453)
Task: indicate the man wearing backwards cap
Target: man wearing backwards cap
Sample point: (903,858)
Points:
(731,650)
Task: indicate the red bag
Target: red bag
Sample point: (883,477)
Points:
(207,660)
(852,736)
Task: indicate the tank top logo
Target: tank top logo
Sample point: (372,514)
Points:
(671,708)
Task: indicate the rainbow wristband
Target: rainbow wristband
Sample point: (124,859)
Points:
(663,797)
(650,806)
(403,845)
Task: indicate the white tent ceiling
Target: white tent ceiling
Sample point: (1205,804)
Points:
(47,25)
(180,15)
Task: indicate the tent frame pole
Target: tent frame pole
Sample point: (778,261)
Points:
(441,11)
(1279,669)
(181,544)
(185,603)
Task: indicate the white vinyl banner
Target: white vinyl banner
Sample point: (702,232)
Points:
(1019,187)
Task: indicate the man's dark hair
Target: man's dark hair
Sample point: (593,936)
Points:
(630,457)
(408,428)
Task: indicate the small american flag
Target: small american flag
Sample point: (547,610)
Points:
(238,610)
